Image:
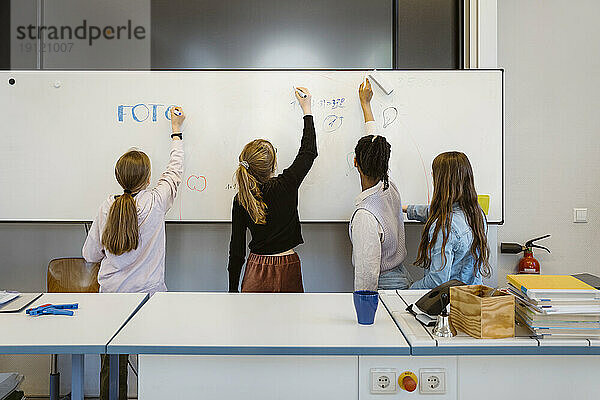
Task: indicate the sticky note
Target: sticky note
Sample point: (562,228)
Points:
(484,202)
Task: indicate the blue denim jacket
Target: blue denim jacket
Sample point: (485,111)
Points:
(459,261)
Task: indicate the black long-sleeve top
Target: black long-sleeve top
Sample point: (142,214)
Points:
(282,231)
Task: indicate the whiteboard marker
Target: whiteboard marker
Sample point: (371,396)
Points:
(300,92)
(176,112)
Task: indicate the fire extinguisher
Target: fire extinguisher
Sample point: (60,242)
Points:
(528,264)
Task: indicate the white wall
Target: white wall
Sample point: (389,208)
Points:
(550,52)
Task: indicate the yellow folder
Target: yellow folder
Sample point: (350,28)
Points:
(545,283)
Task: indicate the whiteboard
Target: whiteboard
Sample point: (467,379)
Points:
(62,133)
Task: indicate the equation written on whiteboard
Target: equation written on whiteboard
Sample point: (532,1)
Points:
(143,112)
(328,104)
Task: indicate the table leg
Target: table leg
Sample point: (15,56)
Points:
(77,374)
(113,392)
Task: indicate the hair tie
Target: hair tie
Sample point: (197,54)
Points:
(126,191)
(374,137)
(245,164)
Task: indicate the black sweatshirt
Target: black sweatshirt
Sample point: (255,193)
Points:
(282,231)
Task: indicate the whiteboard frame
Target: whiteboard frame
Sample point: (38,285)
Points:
(211,222)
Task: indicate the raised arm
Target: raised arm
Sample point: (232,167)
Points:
(168,183)
(296,172)
(365,94)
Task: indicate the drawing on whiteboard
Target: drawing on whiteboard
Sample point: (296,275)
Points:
(231,186)
(196,182)
(350,163)
(332,123)
(389,116)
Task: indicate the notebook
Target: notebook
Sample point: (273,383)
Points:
(552,287)
(20,302)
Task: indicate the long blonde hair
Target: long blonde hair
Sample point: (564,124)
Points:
(257,162)
(453,183)
(121,233)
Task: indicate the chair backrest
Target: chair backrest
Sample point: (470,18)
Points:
(72,275)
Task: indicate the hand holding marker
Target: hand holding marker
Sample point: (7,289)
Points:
(177,118)
(300,92)
(304,98)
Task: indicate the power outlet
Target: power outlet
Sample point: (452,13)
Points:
(432,381)
(383,380)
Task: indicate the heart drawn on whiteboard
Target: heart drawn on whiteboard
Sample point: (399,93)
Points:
(196,182)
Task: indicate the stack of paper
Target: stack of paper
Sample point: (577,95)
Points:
(9,383)
(6,296)
(556,305)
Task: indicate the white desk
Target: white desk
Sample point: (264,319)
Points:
(256,324)
(253,345)
(423,342)
(95,322)
(487,367)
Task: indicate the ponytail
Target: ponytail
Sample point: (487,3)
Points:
(256,165)
(250,197)
(373,156)
(121,232)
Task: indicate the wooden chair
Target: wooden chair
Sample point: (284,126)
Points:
(72,275)
(69,275)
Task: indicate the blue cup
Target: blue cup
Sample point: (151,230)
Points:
(365,303)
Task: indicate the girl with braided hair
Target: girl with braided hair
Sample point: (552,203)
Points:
(377,223)
(267,205)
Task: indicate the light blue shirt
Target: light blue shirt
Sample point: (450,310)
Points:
(459,260)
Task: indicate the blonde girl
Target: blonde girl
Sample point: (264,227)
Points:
(128,235)
(267,205)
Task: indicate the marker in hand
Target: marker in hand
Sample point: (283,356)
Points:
(300,92)
(176,112)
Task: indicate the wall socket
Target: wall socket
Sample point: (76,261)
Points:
(432,381)
(383,380)
(580,215)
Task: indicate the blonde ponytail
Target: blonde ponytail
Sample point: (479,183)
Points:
(256,164)
(250,197)
(121,233)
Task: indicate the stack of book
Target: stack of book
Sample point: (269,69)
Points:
(556,305)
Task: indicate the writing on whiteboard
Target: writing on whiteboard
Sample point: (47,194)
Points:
(142,112)
(328,104)
(332,103)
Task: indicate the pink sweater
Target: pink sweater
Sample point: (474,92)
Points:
(143,269)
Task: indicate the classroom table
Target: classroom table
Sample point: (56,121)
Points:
(535,368)
(253,345)
(98,318)
(423,342)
